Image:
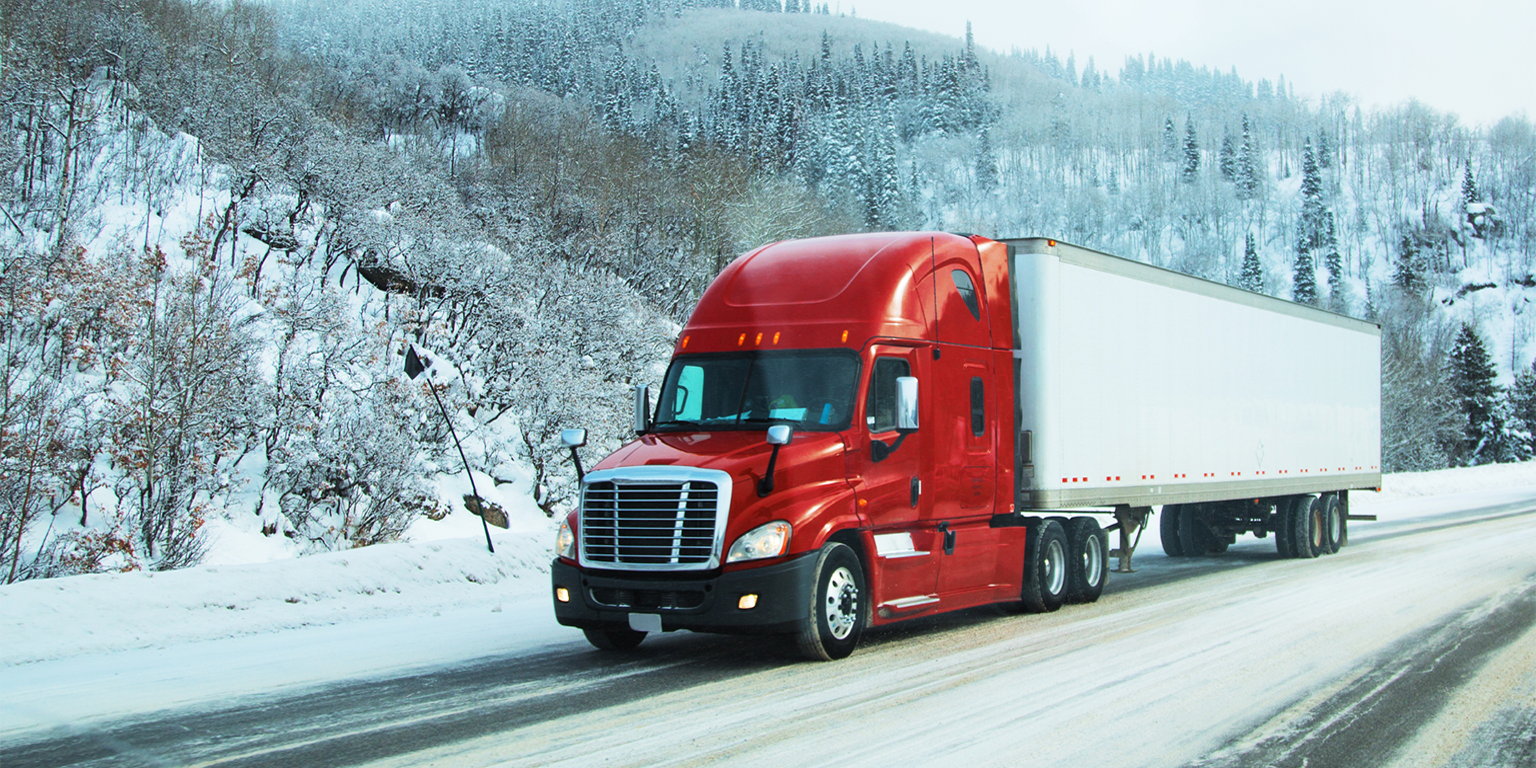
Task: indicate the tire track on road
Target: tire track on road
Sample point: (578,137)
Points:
(1371,718)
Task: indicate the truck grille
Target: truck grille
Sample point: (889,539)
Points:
(657,525)
(648,598)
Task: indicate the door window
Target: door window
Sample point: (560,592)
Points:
(880,411)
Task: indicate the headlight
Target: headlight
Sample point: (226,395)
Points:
(565,541)
(769,540)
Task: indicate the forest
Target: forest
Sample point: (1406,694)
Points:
(225,224)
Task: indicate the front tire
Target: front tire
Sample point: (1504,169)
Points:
(1088,568)
(839,606)
(613,637)
(1045,568)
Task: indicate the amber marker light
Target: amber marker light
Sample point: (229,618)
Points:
(775,338)
(741,340)
(562,594)
(1051,243)
(747,602)
(845,337)
(685,342)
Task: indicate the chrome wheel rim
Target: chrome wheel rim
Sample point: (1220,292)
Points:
(1055,572)
(1093,561)
(842,603)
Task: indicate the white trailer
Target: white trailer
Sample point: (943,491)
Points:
(1138,386)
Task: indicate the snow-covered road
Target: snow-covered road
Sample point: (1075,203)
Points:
(1415,646)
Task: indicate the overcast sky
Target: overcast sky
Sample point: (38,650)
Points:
(1475,58)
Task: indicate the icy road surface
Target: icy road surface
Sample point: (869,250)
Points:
(1415,646)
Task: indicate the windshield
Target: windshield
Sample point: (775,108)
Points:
(807,390)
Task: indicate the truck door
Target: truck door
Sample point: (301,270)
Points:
(897,486)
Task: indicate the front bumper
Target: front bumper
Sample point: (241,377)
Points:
(695,602)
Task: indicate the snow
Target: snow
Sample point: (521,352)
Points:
(83,648)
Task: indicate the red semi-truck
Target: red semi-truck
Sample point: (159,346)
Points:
(863,429)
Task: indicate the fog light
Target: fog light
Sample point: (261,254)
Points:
(562,594)
(747,602)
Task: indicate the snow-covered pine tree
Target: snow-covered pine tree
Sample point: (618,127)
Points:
(1475,396)
(1408,272)
(1335,264)
(1227,160)
(1522,407)
(1252,278)
(1170,140)
(1324,150)
(1249,164)
(1313,212)
(1469,193)
(986,161)
(1191,152)
(1304,287)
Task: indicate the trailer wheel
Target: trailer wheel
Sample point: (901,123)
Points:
(1045,568)
(1303,529)
(839,606)
(1089,567)
(1168,529)
(614,637)
(1333,523)
(1283,527)
(1195,537)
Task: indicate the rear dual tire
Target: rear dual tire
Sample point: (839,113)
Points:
(1046,565)
(1088,566)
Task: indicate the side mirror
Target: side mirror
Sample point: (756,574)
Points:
(778,437)
(779,434)
(573,439)
(642,409)
(906,404)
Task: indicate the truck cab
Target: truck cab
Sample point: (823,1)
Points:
(831,449)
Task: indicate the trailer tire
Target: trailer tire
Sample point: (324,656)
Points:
(1302,529)
(1089,566)
(613,637)
(1333,523)
(839,606)
(1168,529)
(1195,537)
(1283,527)
(1045,568)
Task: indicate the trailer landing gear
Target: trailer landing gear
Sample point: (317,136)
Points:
(1128,520)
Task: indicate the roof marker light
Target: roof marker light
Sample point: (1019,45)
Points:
(685,342)
(741,340)
(759,340)
(845,337)
(776,337)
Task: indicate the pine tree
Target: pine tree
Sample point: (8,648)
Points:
(1252,278)
(1304,287)
(1475,397)
(1313,212)
(1335,264)
(1249,164)
(1191,152)
(1227,160)
(1522,407)
(986,162)
(1408,273)
(1469,193)
(1324,150)
(1170,140)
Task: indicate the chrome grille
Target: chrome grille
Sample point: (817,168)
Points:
(647,521)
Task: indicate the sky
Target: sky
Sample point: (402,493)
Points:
(1474,58)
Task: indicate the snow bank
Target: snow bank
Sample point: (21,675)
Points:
(102,613)
(1441,482)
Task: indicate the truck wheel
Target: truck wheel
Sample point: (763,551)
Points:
(1168,528)
(1088,567)
(1303,532)
(1282,528)
(1333,523)
(613,637)
(838,606)
(1045,568)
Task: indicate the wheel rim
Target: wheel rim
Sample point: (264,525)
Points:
(842,604)
(1335,522)
(1093,561)
(1055,573)
(1317,528)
